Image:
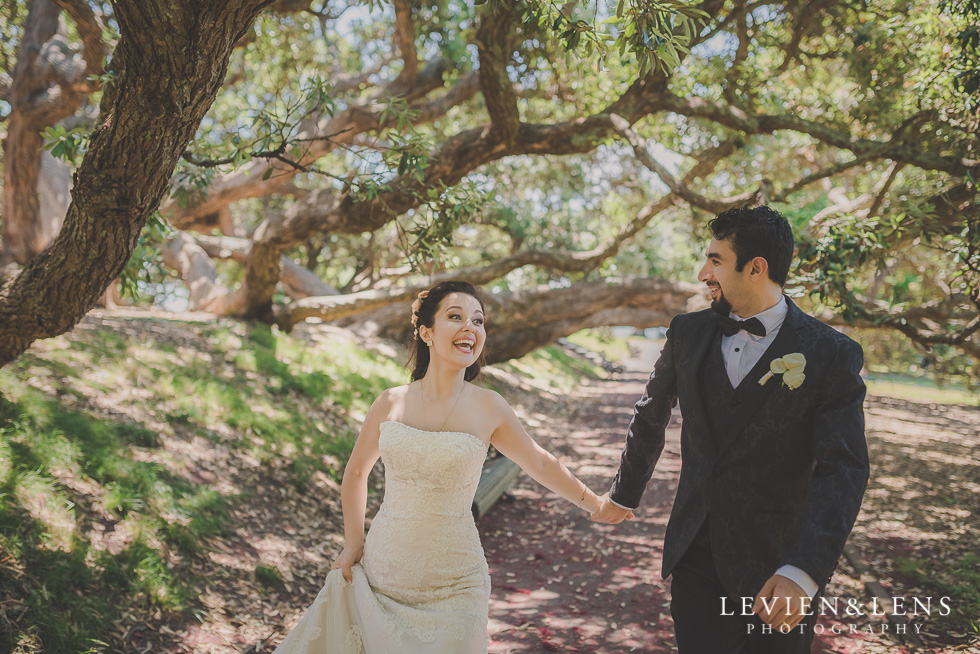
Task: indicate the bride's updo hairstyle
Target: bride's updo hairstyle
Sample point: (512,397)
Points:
(424,313)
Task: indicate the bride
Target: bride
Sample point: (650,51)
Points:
(419,581)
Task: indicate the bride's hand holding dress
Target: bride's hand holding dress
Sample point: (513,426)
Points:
(345,560)
(354,487)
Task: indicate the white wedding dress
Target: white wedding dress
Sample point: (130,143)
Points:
(422,586)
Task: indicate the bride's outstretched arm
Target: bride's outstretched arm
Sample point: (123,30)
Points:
(512,440)
(354,489)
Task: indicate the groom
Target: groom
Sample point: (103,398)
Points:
(773,468)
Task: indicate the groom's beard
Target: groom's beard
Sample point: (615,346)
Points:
(721,305)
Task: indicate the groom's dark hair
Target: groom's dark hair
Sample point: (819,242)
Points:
(757,232)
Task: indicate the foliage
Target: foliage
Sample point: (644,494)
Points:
(966,64)
(68,145)
(433,227)
(657,33)
(12,18)
(832,262)
(273,134)
(144,264)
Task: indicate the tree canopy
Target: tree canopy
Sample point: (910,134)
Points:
(329,160)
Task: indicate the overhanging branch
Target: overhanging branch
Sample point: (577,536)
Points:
(676,186)
(735,118)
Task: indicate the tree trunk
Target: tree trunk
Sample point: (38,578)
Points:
(54,196)
(297,280)
(21,170)
(170,62)
(50,82)
(191,259)
(22,147)
(197,272)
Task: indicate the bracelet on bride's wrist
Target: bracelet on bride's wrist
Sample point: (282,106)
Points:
(585,489)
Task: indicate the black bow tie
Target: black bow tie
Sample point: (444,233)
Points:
(730,326)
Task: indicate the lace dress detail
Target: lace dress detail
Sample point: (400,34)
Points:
(423,584)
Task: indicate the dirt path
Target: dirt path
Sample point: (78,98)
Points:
(563,584)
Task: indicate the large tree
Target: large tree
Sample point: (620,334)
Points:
(351,156)
(167,68)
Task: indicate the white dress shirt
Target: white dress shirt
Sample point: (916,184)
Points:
(741,351)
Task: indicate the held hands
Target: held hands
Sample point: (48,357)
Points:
(781,603)
(345,560)
(609,513)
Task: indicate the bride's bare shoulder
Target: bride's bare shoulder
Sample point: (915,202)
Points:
(395,396)
(398,392)
(485,398)
(389,399)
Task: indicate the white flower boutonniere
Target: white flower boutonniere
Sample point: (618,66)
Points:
(790,367)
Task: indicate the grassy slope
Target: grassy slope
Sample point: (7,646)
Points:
(126,446)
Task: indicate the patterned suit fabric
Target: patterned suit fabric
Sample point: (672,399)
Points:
(781,479)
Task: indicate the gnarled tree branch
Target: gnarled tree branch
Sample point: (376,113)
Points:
(736,118)
(521,321)
(89,29)
(676,187)
(49,84)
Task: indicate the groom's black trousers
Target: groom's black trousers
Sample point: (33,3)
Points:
(699,623)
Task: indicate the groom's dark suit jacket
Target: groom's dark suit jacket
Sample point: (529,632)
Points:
(782,482)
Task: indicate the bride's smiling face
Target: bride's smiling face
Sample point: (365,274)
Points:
(458,333)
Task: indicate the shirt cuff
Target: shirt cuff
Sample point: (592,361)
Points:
(628,508)
(802,579)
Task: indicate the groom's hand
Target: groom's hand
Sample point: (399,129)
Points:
(609,513)
(785,603)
